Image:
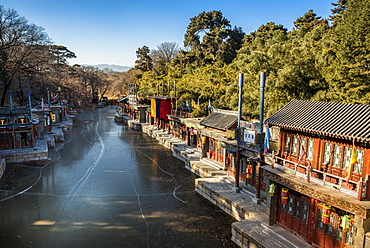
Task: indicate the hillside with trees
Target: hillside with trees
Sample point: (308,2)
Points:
(319,60)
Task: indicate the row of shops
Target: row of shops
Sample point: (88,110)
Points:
(26,133)
(17,128)
(20,126)
(314,177)
(215,136)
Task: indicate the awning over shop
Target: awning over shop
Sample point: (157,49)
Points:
(192,122)
(215,134)
(219,121)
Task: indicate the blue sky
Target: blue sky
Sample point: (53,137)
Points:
(110,31)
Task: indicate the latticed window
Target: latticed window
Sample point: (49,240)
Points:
(287,143)
(296,208)
(357,168)
(283,207)
(290,205)
(243,165)
(212,145)
(310,145)
(327,152)
(295,145)
(337,155)
(349,236)
(339,234)
(320,225)
(336,228)
(346,157)
(330,226)
(304,211)
(303,144)
(232,159)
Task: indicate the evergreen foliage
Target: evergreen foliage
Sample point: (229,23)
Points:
(319,60)
(144,61)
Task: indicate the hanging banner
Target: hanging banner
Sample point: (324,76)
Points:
(153,108)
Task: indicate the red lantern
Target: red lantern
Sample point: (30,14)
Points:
(284,196)
(325,217)
(249,171)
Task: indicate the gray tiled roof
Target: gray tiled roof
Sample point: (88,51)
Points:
(340,120)
(219,121)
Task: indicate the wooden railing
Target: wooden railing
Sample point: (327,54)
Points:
(181,114)
(322,178)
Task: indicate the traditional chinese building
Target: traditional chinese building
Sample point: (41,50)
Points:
(214,136)
(319,174)
(182,125)
(17,129)
(249,148)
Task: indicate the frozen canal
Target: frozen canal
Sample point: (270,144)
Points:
(109,186)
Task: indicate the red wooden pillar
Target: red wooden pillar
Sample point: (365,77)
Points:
(311,225)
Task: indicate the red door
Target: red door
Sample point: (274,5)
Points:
(294,214)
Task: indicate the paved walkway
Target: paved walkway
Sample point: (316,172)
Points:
(217,186)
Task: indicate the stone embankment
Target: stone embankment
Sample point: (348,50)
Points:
(214,184)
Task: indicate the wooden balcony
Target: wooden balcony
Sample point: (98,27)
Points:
(355,189)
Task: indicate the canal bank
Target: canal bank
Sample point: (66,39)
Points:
(252,228)
(108,186)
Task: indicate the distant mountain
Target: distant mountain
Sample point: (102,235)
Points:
(118,68)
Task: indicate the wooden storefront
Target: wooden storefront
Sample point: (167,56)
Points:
(16,128)
(214,135)
(294,214)
(321,172)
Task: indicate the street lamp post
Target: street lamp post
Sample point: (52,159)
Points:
(241,82)
(262,103)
